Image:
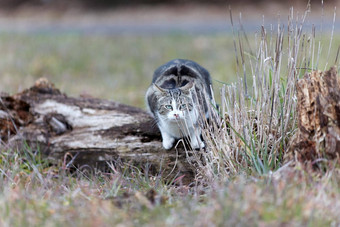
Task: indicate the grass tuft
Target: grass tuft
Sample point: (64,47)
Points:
(258,112)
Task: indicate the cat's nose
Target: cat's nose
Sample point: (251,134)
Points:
(176,115)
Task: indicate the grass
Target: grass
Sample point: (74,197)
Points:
(118,67)
(290,196)
(244,180)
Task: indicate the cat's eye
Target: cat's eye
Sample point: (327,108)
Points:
(183,106)
(169,107)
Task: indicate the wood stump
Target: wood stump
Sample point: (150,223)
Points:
(318,109)
(86,131)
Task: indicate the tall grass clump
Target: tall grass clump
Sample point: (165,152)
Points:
(258,112)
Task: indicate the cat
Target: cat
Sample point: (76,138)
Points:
(177,97)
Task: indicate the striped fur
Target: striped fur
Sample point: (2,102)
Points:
(176,98)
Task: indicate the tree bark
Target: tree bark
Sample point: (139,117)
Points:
(318,109)
(86,131)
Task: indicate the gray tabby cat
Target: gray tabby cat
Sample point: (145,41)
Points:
(177,98)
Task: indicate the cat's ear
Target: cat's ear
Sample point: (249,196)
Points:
(158,88)
(188,86)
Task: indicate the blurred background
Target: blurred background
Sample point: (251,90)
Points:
(110,48)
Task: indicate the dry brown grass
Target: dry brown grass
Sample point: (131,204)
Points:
(242,180)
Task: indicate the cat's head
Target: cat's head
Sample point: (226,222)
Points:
(174,104)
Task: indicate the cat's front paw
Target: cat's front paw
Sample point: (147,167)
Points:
(197,144)
(168,143)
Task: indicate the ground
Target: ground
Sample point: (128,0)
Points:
(112,55)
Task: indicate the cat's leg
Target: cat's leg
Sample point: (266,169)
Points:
(195,140)
(168,140)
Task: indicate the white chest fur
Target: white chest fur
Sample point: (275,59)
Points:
(186,126)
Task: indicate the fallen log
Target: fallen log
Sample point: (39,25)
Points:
(318,135)
(88,131)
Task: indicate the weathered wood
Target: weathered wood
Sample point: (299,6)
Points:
(318,133)
(89,131)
